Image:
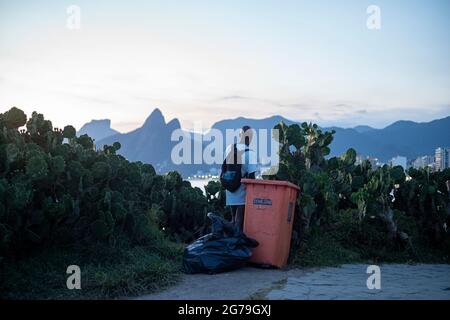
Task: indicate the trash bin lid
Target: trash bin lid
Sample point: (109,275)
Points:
(270,182)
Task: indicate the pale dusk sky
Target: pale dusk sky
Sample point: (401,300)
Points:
(211,60)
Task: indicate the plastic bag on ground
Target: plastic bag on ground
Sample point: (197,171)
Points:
(224,249)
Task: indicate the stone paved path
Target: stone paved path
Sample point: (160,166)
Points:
(398,281)
(234,285)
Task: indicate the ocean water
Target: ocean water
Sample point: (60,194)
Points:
(199,183)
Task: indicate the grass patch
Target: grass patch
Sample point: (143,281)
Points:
(323,250)
(127,272)
(365,246)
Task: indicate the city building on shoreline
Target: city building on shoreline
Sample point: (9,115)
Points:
(423,162)
(437,162)
(374,162)
(399,161)
(441,157)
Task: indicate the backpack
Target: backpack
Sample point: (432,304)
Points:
(231,174)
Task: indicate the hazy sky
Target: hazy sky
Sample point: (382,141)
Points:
(210,60)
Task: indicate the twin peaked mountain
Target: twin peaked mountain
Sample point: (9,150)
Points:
(152,143)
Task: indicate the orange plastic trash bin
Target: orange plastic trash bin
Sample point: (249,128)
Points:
(269,216)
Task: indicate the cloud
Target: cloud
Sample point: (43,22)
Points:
(234,97)
(274,103)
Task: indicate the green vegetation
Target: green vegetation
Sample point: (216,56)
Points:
(105,273)
(348,212)
(62,202)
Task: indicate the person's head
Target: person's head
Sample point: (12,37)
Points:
(246,135)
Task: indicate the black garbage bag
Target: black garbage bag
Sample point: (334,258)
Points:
(224,249)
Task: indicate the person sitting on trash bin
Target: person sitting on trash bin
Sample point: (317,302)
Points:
(247,162)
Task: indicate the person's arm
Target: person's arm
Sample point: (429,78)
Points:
(252,166)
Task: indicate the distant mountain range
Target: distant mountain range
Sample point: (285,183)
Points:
(151,143)
(98,129)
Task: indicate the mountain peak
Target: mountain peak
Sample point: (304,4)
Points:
(97,129)
(155,119)
(174,124)
(363,128)
(401,125)
(99,123)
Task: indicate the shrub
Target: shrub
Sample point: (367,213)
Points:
(67,193)
(377,214)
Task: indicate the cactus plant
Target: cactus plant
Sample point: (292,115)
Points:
(55,188)
(332,188)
